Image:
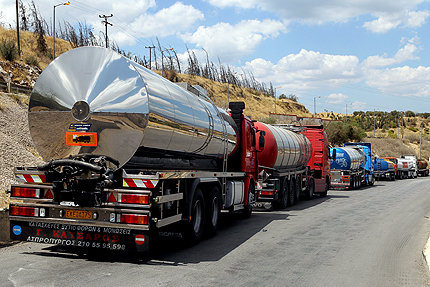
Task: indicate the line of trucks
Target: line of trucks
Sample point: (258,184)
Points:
(157,159)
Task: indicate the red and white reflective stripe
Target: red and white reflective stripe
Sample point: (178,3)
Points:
(31,178)
(145,183)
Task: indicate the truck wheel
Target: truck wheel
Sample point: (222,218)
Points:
(247,211)
(324,193)
(310,189)
(352,182)
(197,221)
(298,186)
(213,207)
(291,192)
(283,203)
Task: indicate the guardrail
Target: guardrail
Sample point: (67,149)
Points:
(14,88)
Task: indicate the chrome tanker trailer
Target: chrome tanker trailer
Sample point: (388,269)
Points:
(283,164)
(130,155)
(349,169)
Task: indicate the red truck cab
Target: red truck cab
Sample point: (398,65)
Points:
(319,164)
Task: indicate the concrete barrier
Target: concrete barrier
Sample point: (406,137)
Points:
(4,226)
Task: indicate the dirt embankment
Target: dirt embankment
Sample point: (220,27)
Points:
(17,148)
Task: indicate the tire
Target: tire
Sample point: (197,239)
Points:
(352,182)
(283,203)
(324,193)
(197,223)
(213,208)
(297,196)
(310,189)
(291,192)
(247,211)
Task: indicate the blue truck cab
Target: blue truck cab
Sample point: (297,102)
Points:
(367,177)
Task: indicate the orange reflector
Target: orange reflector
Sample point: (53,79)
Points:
(134,198)
(25,192)
(48,194)
(266,192)
(134,218)
(23,211)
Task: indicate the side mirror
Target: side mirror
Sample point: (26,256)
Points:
(261,140)
(333,156)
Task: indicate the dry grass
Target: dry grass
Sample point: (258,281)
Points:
(29,46)
(20,98)
(258,105)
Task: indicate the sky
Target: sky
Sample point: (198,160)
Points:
(341,55)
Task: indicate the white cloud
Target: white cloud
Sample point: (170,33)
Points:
(405,81)
(336,99)
(316,11)
(417,18)
(408,52)
(230,42)
(307,70)
(167,21)
(357,105)
(388,21)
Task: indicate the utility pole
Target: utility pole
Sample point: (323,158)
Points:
(419,126)
(106,25)
(374,122)
(17,29)
(150,53)
(398,124)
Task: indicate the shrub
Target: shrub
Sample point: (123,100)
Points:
(413,129)
(8,50)
(31,60)
(391,134)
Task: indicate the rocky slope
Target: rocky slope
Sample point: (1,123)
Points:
(17,148)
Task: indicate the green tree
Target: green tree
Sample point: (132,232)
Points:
(339,133)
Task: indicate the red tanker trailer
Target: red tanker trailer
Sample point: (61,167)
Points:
(296,160)
(129,157)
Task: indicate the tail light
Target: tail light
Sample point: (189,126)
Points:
(133,198)
(24,211)
(134,218)
(266,192)
(25,192)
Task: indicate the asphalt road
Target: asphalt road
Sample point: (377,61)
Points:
(369,237)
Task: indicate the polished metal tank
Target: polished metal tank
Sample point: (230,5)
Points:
(348,158)
(284,149)
(92,100)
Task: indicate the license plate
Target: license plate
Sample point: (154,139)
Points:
(79,214)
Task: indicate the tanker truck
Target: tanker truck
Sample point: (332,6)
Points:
(383,169)
(422,167)
(393,161)
(130,157)
(286,173)
(412,161)
(405,167)
(353,166)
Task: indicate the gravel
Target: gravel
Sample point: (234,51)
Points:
(17,148)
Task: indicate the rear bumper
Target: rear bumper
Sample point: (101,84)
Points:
(96,237)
